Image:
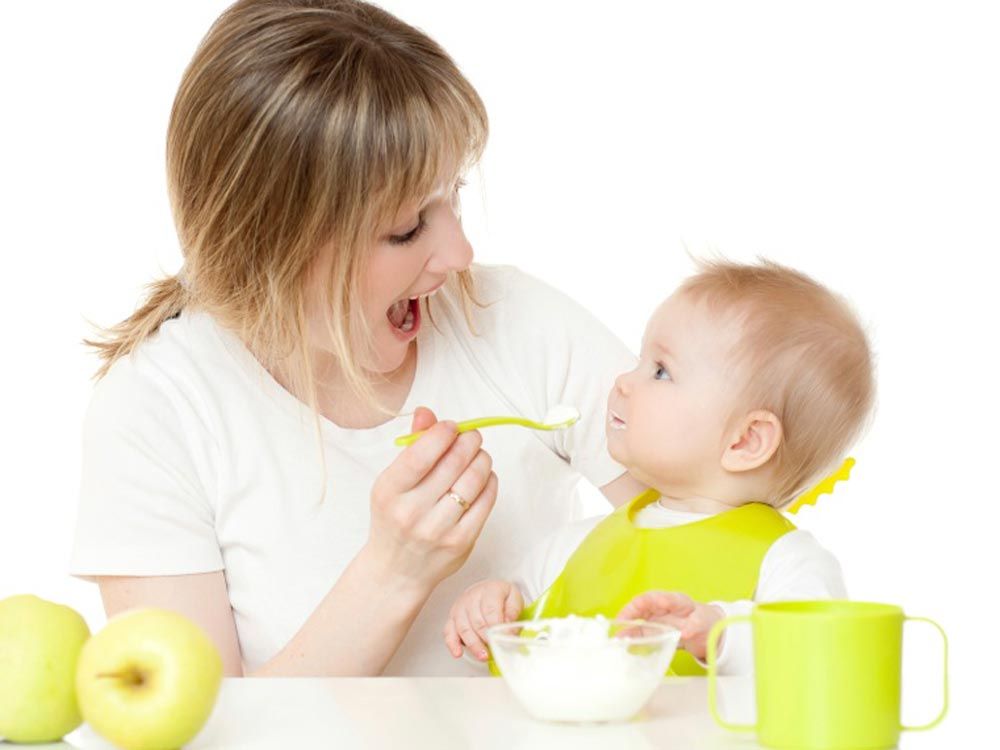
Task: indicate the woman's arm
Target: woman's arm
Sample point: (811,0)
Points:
(357,627)
(419,536)
(355,630)
(201,597)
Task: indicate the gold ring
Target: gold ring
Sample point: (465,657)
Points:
(458,499)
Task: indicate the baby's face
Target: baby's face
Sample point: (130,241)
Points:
(667,417)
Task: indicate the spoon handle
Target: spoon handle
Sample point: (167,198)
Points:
(475,424)
(470,424)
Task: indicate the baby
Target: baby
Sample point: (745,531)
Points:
(753,381)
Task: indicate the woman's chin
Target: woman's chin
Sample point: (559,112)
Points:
(391,356)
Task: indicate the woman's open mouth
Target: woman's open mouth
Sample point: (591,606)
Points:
(404,317)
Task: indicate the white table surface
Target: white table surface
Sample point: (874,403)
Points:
(462,712)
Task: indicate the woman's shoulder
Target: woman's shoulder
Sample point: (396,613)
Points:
(517,318)
(188,341)
(502,282)
(511,299)
(166,372)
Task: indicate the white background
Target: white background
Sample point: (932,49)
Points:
(855,141)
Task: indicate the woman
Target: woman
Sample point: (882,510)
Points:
(238,463)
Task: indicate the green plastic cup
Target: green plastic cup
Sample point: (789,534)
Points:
(827,674)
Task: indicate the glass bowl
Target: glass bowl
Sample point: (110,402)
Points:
(582,669)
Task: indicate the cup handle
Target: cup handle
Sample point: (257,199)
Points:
(713,639)
(944,707)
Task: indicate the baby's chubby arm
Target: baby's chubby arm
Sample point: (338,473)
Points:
(796,567)
(481,605)
(677,610)
(494,601)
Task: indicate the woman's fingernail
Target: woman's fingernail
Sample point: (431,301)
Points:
(482,656)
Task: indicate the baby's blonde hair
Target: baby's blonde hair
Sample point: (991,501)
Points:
(301,125)
(801,354)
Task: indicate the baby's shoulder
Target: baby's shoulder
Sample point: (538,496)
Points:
(569,536)
(799,546)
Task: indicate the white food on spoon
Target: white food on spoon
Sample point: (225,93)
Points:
(561,413)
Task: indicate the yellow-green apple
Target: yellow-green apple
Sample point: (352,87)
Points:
(40,644)
(148,680)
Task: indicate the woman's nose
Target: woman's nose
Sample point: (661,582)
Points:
(462,253)
(454,253)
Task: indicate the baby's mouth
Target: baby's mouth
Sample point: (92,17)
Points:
(614,421)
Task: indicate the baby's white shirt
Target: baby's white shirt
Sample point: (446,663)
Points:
(795,567)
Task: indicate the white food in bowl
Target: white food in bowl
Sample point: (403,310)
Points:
(574,670)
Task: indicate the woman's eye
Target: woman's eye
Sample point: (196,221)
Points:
(660,369)
(411,236)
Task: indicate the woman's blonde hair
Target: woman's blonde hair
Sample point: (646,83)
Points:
(801,354)
(299,126)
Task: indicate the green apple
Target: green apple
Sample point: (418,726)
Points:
(40,643)
(148,680)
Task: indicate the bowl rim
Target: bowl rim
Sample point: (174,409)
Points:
(494,632)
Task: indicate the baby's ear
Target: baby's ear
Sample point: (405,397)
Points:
(754,441)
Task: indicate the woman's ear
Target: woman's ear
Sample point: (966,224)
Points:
(755,441)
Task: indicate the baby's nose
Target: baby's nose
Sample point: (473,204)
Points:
(621,383)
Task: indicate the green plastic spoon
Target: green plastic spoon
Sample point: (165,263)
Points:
(557,418)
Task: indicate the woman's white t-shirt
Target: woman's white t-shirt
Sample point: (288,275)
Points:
(195,460)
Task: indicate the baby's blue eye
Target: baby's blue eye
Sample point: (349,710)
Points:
(661,369)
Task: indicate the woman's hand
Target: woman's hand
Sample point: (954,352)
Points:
(680,611)
(419,532)
(481,605)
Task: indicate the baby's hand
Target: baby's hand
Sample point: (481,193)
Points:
(678,610)
(481,605)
